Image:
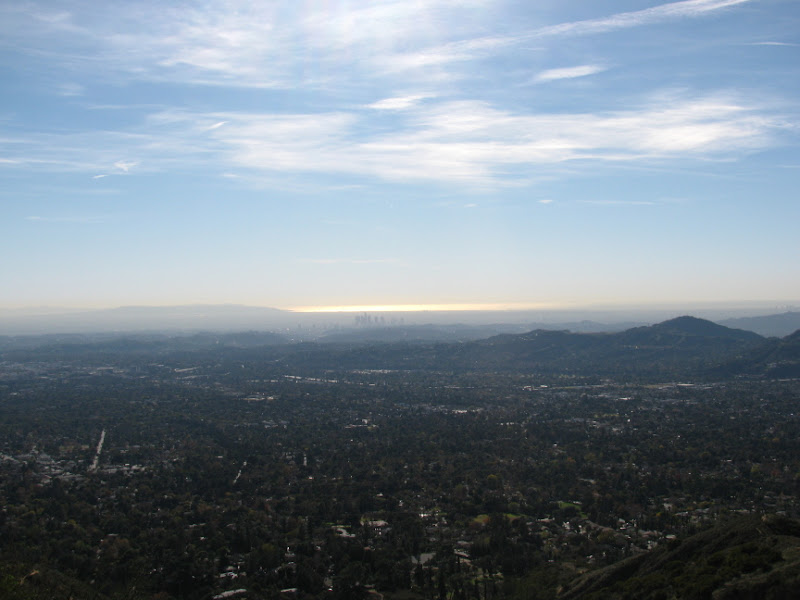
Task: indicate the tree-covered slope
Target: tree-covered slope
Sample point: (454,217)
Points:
(773,358)
(682,347)
(744,558)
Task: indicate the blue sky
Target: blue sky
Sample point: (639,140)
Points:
(411,152)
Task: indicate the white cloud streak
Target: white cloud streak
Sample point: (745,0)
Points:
(125,165)
(569,72)
(282,45)
(473,48)
(398,103)
(656,14)
(774,44)
(464,142)
(470,142)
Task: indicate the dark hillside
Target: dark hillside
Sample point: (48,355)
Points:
(774,358)
(688,332)
(684,345)
(692,326)
(743,558)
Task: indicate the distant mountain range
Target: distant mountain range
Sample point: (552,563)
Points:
(422,326)
(143,318)
(769,325)
(684,347)
(413,327)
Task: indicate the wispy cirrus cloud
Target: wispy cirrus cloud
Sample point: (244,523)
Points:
(120,167)
(269,44)
(125,165)
(637,18)
(440,55)
(569,72)
(432,137)
(399,102)
(280,45)
(469,142)
(464,142)
(480,46)
(774,44)
(158,146)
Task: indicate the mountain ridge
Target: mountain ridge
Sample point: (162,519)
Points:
(684,347)
(777,325)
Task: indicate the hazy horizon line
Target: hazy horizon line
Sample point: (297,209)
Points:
(776,304)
